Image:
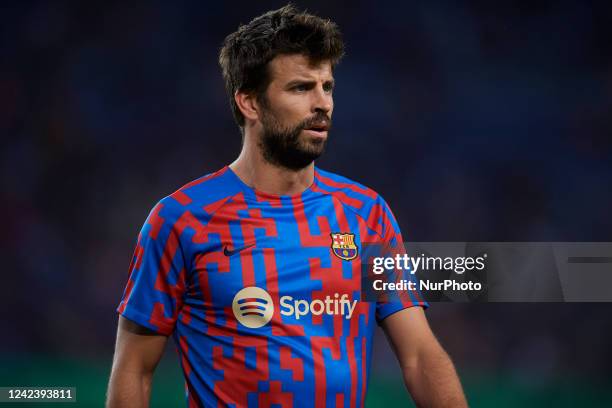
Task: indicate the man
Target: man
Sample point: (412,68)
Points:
(255,269)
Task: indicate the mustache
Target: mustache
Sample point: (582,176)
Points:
(319,119)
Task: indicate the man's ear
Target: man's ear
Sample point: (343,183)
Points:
(247,103)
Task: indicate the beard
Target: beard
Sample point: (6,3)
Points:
(286,146)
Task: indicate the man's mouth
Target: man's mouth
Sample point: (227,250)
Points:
(319,129)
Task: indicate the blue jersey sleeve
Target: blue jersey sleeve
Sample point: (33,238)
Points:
(393,245)
(153,296)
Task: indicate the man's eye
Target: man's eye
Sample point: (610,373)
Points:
(328,88)
(300,88)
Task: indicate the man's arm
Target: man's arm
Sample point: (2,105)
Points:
(137,352)
(428,372)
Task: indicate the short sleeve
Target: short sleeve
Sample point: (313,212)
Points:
(154,292)
(392,245)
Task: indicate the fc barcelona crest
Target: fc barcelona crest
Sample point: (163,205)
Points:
(343,245)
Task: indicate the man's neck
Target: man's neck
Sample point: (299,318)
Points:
(263,176)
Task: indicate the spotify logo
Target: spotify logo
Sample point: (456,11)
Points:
(253,307)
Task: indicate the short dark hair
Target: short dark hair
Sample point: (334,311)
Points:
(246,52)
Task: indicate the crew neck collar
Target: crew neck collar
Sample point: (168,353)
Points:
(272,197)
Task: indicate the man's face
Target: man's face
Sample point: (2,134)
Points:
(296,111)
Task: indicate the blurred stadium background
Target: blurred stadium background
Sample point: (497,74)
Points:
(476,120)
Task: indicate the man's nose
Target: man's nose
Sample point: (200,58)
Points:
(323,101)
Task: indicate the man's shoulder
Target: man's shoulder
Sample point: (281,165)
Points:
(207,192)
(364,201)
(351,193)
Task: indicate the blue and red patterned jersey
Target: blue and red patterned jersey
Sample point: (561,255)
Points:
(262,293)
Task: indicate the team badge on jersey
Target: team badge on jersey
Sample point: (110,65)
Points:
(343,245)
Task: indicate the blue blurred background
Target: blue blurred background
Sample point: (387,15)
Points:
(476,120)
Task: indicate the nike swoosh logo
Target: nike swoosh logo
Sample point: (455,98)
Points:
(228,252)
